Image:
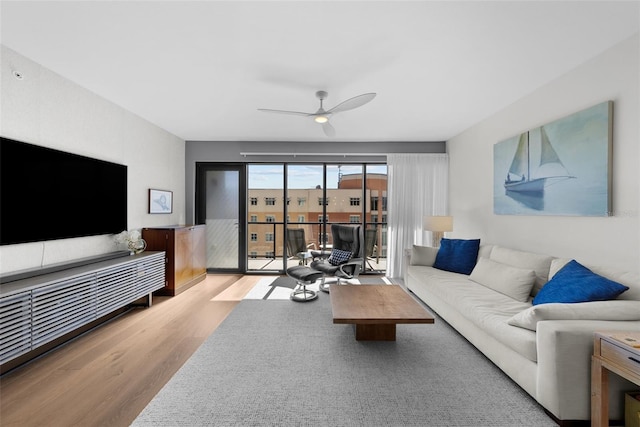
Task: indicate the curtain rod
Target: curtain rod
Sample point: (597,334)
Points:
(313,154)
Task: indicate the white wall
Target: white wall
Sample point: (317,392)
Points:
(46,109)
(609,241)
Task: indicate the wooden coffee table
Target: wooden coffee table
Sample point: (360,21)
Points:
(375,310)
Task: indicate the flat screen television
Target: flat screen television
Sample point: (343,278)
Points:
(47,194)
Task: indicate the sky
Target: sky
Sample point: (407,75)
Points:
(303,176)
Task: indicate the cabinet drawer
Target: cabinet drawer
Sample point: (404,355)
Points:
(621,356)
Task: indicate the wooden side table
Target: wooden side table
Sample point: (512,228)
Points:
(615,352)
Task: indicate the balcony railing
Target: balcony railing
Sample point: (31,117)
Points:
(267,253)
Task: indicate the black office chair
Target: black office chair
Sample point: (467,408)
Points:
(345,260)
(297,247)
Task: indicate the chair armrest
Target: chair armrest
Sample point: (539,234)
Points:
(354,264)
(320,254)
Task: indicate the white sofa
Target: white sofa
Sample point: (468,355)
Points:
(546,348)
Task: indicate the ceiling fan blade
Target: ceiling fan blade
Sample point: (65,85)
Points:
(352,103)
(296,113)
(329,130)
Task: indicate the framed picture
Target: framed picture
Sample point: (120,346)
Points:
(160,201)
(560,168)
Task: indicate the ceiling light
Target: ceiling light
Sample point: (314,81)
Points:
(321,119)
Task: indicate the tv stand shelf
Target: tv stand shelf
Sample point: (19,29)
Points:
(39,310)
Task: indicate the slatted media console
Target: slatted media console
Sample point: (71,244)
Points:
(38,310)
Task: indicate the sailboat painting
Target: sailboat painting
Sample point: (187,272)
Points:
(561,168)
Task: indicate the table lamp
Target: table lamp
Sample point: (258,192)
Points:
(437,225)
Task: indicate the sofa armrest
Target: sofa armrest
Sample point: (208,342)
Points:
(564,351)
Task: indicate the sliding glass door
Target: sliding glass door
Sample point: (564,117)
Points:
(261,217)
(291,206)
(220,204)
(265,217)
(376,218)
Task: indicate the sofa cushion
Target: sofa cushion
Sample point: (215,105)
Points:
(597,310)
(576,283)
(423,255)
(457,255)
(484,307)
(511,281)
(528,260)
(339,256)
(485,251)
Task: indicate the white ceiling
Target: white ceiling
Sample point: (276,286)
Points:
(201,69)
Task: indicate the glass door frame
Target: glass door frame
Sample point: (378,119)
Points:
(201,207)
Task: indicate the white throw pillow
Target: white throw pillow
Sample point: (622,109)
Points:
(556,265)
(596,310)
(511,281)
(423,255)
(538,262)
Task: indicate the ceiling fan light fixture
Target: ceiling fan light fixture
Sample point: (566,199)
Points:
(322,116)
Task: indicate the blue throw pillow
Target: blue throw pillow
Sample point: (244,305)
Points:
(457,255)
(338,256)
(576,283)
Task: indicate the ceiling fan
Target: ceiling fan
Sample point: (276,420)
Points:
(322,116)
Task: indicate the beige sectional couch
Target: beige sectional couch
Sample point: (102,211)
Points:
(545,348)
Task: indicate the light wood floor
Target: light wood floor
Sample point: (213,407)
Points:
(107,376)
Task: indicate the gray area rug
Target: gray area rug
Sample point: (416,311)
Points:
(282,363)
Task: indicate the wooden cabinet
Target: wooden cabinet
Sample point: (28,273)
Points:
(185,246)
(615,352)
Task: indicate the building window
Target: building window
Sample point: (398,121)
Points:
(254,218)
(268,237)
(354,201)
(300,218)
(354,219)
(323,219)
(374,203)
(384,203)
(302,201)
(271,254)
(323,200)
(254,237)
(270,201)
(288,200)
(374,218)
(270,218)
(254,201)
(253,254)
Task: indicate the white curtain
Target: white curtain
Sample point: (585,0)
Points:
(418,186)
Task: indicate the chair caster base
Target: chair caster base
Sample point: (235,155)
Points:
(303,295)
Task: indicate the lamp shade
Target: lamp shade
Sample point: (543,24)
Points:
(438,223)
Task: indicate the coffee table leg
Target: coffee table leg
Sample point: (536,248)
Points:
(377,332)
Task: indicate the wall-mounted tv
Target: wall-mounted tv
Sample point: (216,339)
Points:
(47,194)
